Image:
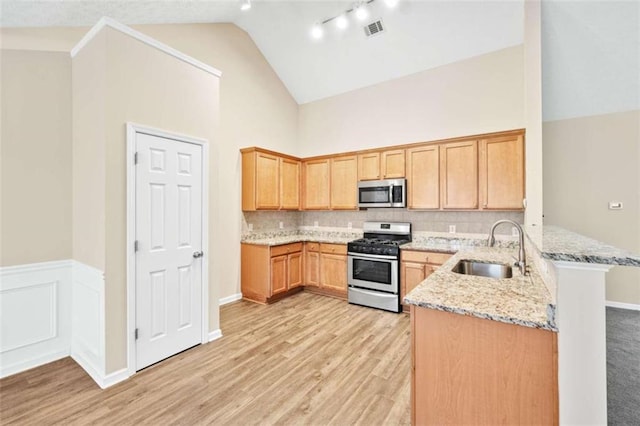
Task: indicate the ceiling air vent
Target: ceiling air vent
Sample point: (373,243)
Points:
(374,28)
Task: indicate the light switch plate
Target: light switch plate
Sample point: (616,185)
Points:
(315,223)
(250,226)
(281,225)
(349,225)
(452,229)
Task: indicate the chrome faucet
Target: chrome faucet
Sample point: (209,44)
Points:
(522,259)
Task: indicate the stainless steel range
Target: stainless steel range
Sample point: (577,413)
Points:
(373,271)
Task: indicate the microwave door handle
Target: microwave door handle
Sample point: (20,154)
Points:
(391,194)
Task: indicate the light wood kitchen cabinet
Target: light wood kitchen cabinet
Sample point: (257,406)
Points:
(312,264)
(468,370)
(333,268)
(416,266)
(501,171)
(267,272)
(423,177)
(344,183)
(290,184)
(316,184)
(381,165)
(270,181)
(392,163)
(369,166)
(459,175)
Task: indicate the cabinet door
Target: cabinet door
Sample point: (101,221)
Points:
(290,184)
(316,185)
(312,268)
(412,274)
(294,266)
(459,175)
(393,164)
(423,177)
(278,274)
(369,166)
(344,183)
(502,172)
(333,271)
(267,181)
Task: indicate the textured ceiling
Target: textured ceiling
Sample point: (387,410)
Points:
(418,34)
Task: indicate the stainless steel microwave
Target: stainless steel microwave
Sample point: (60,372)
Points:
(382,193)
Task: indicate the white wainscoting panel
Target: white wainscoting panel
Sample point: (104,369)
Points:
(35,315)
(88,320)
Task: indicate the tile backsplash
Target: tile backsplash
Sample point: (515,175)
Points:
(475,222)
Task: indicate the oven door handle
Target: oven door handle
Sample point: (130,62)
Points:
(372,256)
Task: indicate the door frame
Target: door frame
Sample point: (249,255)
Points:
(133,130)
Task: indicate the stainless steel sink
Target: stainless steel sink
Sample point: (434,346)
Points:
(491,270)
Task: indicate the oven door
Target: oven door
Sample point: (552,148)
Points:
(374,272)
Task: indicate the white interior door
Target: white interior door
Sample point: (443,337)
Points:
(168,233)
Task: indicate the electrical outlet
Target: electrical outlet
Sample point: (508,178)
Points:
(315,223)
(250,226)
(452,229)
(514,231)
(349,225)
(281,225)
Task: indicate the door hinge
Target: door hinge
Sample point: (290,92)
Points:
(135,246)
(136,334)
(135,158)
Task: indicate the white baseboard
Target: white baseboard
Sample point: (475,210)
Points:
(215,335)
(230,299)
(28,364)
(621,305)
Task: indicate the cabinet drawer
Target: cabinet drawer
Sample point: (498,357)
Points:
(425,257)
(314,247)
(333,248)
(285,249)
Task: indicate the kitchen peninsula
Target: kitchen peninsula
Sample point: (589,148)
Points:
(470,368)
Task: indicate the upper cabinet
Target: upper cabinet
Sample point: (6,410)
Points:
(423,177)
(501,172)
(344,183)
(290,184)
(316,184)
(330,183)
(459,175)
(381,165)
(269,181)
(393,164)
(486,172)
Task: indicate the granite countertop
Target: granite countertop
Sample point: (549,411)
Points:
(452,243)
(521,300)
(322,235)
(555,243)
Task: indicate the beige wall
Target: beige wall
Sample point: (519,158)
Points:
(255,110)
(477,95)
(89,146)
(35,156)
(588,162)
(117,80)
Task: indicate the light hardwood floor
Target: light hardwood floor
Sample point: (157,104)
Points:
(307,359)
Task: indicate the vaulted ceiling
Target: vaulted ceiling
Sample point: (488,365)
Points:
(417,35)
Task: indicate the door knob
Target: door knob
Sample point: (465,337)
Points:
(197,254)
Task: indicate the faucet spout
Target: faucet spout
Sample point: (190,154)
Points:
(522,258)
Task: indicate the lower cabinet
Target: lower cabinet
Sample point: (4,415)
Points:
(333,267)
(468,370)
(326,268)
(416,266)
(268,273)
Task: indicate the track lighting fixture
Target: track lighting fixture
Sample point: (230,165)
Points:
(360,10)
(246,5)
